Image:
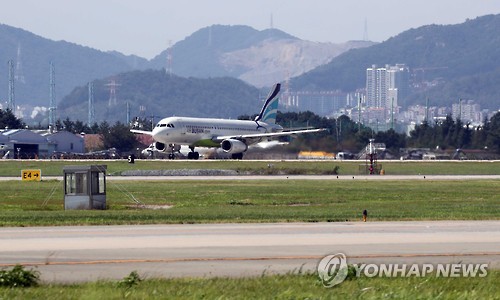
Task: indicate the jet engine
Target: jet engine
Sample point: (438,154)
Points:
(160,147)
(233,146)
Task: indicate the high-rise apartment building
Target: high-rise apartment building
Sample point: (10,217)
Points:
(467,111)
(387,87)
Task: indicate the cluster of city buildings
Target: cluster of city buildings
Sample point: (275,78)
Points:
(382,104)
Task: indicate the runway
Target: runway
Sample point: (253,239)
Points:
(287,177)
(88,253)
(313,177)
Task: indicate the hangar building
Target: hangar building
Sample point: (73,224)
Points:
(24,143)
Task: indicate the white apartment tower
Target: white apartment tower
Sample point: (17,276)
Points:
(387,87)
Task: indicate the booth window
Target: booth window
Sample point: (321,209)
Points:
(98,183)
(76,184)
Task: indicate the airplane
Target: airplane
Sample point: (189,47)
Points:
(232,136)
(184,151)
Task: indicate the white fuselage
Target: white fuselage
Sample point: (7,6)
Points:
(205,131)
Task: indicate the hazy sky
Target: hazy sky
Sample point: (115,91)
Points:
(145,27)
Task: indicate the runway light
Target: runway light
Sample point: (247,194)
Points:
(365,215)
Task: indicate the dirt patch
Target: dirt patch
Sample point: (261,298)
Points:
(150,206)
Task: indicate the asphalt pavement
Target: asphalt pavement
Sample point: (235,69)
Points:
(87,253)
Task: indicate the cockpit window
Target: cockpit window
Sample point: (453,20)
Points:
(165,125)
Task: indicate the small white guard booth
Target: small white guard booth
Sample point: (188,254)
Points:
(85,187)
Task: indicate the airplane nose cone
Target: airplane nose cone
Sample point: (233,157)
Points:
(156,132)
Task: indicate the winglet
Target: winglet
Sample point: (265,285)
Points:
(270,108)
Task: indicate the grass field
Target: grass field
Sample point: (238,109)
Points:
(348,167)
(41,203)
(290,286)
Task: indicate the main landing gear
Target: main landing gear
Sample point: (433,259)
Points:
(193,154)
(237,156)
(174,148)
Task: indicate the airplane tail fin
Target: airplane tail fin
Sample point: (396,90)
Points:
(270,108)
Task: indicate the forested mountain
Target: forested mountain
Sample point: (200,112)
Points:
(260,58)
(74,65)
(162,95)
(462,60)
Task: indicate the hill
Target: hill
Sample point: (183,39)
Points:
(74,65)
(461,59)
(162,95)
(257,57)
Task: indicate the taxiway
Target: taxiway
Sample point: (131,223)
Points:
(87,253)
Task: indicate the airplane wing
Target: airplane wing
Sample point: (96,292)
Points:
(141,131)
(265,135)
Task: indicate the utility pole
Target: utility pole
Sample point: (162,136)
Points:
(52,95)
(91,112)
(153,121)
(460,109)
(19,69)
(128,113)
(427,110)
(392,113)
(359,114)
(168,68)
(12,99)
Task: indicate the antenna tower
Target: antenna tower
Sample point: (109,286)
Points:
(112,85)
(19,69)
(52,96)
(142,111)
(12,99)
(286,96)
(168,69)
(91,113)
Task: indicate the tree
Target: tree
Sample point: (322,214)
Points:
(118,136)
(493,133)
(391,139)
(80,127)
(69,125)
(9,120)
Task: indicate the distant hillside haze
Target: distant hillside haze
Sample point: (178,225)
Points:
(223,70)
(260,58)
(462,59)
(74,65)
(154,94)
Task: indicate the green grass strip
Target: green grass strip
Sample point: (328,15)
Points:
(41,203)
(289,286)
